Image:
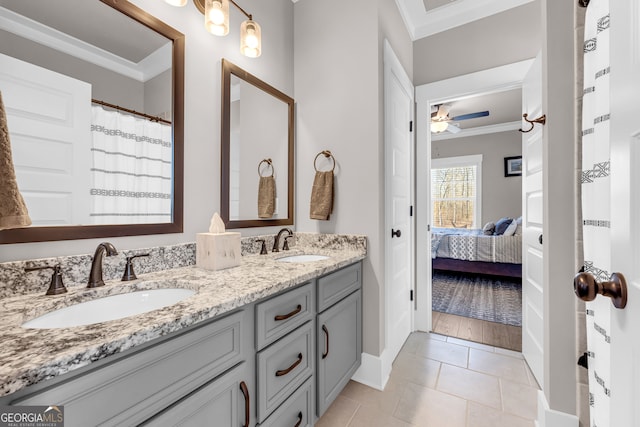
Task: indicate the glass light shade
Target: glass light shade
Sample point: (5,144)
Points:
(177,3)
(438,127)
(250,39)
(216,17)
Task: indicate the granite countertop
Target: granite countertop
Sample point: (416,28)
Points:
(29,356)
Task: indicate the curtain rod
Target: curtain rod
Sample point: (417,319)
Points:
(116,107)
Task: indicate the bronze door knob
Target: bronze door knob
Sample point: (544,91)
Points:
(587,288)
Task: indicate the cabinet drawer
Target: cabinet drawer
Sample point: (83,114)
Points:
(297,411)
(222,402)
(141,384)
(337,285)
(280,315)
(283,367)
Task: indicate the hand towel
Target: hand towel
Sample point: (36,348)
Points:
(322,196)
(266,197)
(13,210)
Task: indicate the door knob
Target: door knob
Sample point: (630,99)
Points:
(395,233)
(587,288)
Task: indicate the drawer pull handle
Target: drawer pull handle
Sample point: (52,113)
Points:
(286,316)
(326,341)
(247,409)
(299,420)
(290,368)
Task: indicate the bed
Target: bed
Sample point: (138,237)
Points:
(471,251)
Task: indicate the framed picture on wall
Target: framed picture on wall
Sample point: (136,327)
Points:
(513,166)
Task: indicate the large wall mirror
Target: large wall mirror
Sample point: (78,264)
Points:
(257,151)
(94,96)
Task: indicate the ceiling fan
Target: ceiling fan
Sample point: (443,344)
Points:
(440,120)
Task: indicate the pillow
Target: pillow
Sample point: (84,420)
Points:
(511,229)
(501,225)
(489,228)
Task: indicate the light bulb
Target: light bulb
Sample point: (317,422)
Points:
(250,39)
(216,17)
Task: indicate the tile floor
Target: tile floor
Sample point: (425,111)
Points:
(440,381)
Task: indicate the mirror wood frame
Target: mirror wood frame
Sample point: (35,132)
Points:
(229,69)
(54,233)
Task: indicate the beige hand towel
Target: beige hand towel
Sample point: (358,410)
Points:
(13,210)
(266,197)
(322,196)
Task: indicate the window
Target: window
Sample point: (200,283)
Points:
(456,191)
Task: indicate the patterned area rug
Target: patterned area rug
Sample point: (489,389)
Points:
(495,299)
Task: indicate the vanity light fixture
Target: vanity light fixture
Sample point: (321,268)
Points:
(216,21)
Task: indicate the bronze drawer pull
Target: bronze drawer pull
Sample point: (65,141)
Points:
(299,420)
(286,316)
(290,368)
(247,409)
(326,341)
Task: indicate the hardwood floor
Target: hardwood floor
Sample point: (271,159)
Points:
(490,333)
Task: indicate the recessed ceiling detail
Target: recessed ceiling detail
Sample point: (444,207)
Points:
(427,17)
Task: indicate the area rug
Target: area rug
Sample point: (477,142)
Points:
(495,299)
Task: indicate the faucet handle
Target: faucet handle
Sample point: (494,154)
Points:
(263,246)
(56,287)
(285,247)
(129,274)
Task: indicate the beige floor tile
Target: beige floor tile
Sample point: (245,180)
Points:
(383,401)
(423,406)
(340,413)
(472,344)
(415,369)
(445,352)
(483,416)
(439,337)
(471,385)
(502,366)
(506,352)
(372,417)
(519,399)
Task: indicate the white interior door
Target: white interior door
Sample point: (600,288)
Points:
(398,114)
(532,226)
(49,116)
(625,209)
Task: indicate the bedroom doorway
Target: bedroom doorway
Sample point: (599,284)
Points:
(467,214)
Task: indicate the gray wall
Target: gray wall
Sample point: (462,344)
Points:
(202,115)
(501,196)
(504,38)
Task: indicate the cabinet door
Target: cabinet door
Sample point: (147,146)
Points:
(224,402)
(339,332)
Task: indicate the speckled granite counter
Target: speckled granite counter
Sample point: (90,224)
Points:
(29,356)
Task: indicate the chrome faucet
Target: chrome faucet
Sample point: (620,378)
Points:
(95,276)
(276,241)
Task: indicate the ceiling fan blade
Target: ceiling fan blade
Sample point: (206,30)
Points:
(453,128)
(470,116)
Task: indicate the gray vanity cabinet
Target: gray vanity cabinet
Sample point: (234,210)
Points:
(133,386)
(338,332)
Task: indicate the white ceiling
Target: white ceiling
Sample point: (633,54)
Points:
(426,17)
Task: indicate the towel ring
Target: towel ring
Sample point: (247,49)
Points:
(328,155)
(268,162)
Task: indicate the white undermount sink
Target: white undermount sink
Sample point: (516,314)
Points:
(303,258)
(109,308)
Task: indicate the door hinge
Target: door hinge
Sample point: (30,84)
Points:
(411,126)
(411,296)
(411,210)
(429,227)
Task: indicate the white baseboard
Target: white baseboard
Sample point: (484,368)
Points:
(374,370)
(549,418)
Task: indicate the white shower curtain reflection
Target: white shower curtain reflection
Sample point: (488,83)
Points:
(131,170)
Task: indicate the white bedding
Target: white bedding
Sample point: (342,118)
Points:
(473,245)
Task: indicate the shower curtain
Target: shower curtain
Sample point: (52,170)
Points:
(132,169)
(595,202)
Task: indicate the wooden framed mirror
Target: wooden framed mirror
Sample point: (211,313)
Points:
(116,50)
(257,134)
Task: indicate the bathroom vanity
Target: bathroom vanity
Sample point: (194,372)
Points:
(268,343)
